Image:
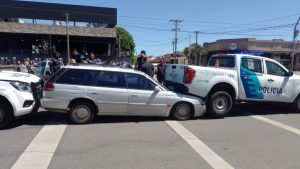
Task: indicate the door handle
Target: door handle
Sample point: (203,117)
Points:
(134,95)
(94,93)
(245,77)
(270,80)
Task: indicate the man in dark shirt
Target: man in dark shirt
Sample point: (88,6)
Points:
(55,63)
(147,67)
(140,60)
(161,71)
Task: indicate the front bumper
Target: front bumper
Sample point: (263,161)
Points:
(200,110)
(37,93)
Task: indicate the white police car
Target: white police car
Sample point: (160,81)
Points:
(19,95)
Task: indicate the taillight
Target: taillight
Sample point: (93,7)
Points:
(189,75)
(48,86)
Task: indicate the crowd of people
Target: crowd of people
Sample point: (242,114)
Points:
(147,67)
(142,63)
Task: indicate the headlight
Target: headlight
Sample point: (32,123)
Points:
(24,87)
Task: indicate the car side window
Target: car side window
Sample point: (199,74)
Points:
(275,69)
(251,64)
(78,77)
(222,61)
(56,75)
(112,79)
(136,81)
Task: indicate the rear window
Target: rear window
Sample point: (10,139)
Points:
(77,77)
(222,61)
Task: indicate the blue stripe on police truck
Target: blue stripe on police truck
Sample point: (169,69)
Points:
(251,84)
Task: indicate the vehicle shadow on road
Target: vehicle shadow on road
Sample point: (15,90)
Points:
(55,118)
(246,109)
(40,118)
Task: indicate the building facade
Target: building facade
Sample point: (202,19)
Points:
(90,30)
(277,49)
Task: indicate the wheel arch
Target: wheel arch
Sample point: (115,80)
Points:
(10,106)
(84,100)
(223,87)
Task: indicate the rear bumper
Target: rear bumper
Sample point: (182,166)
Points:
(54,104)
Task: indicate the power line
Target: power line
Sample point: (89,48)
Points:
(233,32)
(143,27)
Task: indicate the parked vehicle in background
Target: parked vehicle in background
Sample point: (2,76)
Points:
(43,69)
(231,78)
(20,94)
(84,91)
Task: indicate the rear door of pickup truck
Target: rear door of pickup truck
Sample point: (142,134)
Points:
(251,78)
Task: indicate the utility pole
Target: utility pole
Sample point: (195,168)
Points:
(68,38)
(197,32)
(119,44)
(176,22)
(296,32)
(173,44)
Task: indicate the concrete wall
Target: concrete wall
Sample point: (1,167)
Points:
(8,67)
(10,27)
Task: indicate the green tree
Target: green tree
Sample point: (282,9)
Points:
(127,42)
(195,53)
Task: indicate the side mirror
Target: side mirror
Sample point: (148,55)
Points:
(157,89)
(290,73)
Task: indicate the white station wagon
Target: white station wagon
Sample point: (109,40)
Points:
(84,91)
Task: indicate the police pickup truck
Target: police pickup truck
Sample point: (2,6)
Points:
(19,95)
(232,78)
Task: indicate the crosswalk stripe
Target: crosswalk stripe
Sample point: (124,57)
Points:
(213,159)
(277,124)
(40,151)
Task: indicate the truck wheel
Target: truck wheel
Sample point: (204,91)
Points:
(6,116)
(182,111)
(296,104)
(81,112)
(219,104)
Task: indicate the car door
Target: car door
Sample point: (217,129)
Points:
(251,78)
(278,86)
(70,84)
(110,93)
(143,99)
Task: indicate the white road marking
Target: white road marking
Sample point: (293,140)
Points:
(40,151)
(277,124)
(203,150)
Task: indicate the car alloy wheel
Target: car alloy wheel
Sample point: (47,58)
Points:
(182,111)
(81,112)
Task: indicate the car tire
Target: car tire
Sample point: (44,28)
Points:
(6,115)
(219,105)
(81,112)
(182,111)
(296,104)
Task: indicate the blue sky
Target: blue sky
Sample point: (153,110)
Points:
(148,21)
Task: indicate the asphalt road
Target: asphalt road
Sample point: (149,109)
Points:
(254,136)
